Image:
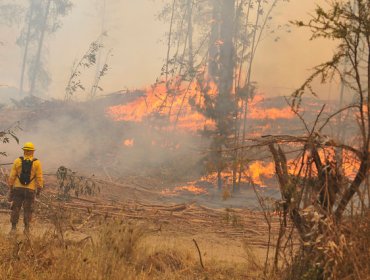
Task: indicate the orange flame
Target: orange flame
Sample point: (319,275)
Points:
(169,102)
(272,113)
(187,188)
(172,101)
(259,170)
(128,142)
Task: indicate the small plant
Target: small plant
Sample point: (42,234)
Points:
(69,181)
(6,135)
(121,240)
(232,218)
(87,61)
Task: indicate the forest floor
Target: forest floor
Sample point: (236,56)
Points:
(225,233)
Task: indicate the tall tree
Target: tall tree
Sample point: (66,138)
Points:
(211,46)
(42,18)
(222,62)
(36,64)
(26,47)
(11,12)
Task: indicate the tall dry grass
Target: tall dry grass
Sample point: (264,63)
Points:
(116,250)
(337,252)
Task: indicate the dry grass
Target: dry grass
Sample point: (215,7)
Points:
(118,250)
(339,251)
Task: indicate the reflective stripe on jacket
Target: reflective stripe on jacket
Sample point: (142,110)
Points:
(36,175)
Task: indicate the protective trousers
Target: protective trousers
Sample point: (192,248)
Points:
(25,197)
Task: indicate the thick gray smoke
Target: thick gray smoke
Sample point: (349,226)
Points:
(83,137)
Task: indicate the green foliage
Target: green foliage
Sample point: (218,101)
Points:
(7,135)
(87,61)
(101,73)
(349,24)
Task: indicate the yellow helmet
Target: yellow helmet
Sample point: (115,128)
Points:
(28,146)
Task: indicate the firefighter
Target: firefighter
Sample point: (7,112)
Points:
(25,182)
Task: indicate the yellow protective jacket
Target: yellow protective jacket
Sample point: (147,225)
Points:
(36,174)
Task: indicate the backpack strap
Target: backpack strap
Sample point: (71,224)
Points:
(22,159)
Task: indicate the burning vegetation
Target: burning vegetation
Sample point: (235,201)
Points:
(165,160)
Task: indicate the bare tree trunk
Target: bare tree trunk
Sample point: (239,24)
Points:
(368,96)
(190,5)
(39,49)
(170,38)
(247,84)
(347,196)
(25,54)
(169,42)
(219,179)
(214,36)
(238,71)
(227,66)
(278,243)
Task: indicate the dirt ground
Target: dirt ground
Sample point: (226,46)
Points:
(223,232)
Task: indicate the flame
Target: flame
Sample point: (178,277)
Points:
(271,113)
(219,42)
(190,187)
(173,104)
(259,170)
(169,102)
(128,142)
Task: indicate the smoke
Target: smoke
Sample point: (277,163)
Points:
(134,35)
(82,137)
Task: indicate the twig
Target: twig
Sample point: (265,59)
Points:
(335,114)
(267,216)
(200,255)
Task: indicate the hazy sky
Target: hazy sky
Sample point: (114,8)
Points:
(135,40)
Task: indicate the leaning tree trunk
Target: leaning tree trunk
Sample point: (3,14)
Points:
(37,62)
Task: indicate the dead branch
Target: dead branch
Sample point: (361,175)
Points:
(335,114)
(200,255)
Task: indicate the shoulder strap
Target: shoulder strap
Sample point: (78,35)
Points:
(22,159)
